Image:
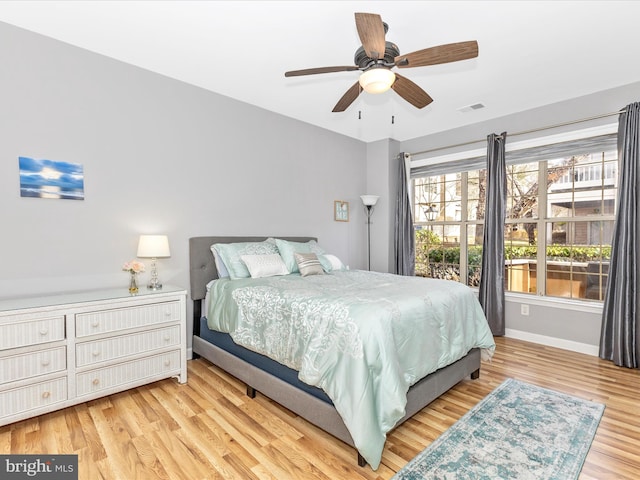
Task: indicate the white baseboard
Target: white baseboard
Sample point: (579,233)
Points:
(553,342)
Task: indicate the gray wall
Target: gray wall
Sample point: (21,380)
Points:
(159,156)
(381,181)
(588,106)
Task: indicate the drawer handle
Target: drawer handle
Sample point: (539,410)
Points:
(46,394)
(95,323)
(44,331)
(45,362)
(167,338)
(96,381)
(167,363)
(95,354)
(167,313)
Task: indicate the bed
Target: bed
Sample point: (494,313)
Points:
(281,380)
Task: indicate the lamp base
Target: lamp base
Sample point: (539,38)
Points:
(154,283)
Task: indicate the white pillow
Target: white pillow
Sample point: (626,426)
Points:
(331,262)
(230,254)
(260,266)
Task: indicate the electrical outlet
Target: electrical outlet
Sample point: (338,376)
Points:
(524,309)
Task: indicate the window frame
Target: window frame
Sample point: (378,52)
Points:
(449,163)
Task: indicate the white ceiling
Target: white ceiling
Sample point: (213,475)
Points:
(532,53)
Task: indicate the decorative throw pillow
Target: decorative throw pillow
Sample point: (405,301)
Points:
(260,266)
(230,254)
(308,264)
(331,263)
(287,249)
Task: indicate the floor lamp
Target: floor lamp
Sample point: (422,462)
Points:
(369,201)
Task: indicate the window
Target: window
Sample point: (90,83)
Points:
(559,220)
(449,210)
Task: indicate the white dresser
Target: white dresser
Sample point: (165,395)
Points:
(61,350)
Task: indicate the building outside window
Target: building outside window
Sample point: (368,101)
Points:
(560,213)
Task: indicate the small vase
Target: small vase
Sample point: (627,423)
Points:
(133,284)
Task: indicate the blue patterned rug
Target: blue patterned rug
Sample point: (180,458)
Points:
(518,431)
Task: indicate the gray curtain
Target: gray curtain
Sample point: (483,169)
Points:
(491,294)
(404,239)
(619,336)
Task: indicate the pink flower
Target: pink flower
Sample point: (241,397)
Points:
(133,266)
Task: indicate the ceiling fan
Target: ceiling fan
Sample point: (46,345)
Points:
(376,57)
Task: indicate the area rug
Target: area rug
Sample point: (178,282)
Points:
(518,431)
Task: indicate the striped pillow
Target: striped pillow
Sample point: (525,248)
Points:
(308,264)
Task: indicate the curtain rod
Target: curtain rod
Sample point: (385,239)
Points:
(524,132)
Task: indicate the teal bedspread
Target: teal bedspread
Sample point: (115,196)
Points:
(363,337)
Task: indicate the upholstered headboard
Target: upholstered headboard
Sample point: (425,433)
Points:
(202,267)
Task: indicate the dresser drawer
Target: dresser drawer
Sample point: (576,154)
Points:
(26,365)
(128,372)
(124,318)
(33,396)
(31,332)
(88,353)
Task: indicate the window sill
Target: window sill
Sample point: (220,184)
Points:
(589,306)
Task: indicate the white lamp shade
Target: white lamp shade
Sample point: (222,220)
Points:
(377,80)
(369,200)
(153,246)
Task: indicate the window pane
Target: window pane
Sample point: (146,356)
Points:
(582,185)
(438,198)
(565,278)
(522,191)
(474,255)
(425,194)
(424,243)
(520,254)
(437,252)
(578,258)
(476,194)
(597,277)
(561,179)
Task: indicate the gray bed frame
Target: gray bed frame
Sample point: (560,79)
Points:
(202,270)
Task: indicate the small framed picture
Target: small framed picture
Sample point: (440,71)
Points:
(341,211)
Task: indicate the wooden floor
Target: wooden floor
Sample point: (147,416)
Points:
(209,429)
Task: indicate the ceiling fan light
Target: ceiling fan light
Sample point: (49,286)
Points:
(377,80)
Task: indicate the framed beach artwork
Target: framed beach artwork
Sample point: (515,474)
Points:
(51,179)
(341,211)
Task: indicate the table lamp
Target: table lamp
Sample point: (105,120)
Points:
(153,247)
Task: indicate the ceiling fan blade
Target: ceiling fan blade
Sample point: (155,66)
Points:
(371,32)
(313,71)
(348,98)
(411,92)
(451,52)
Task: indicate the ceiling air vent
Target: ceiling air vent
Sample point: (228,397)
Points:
(470,108)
